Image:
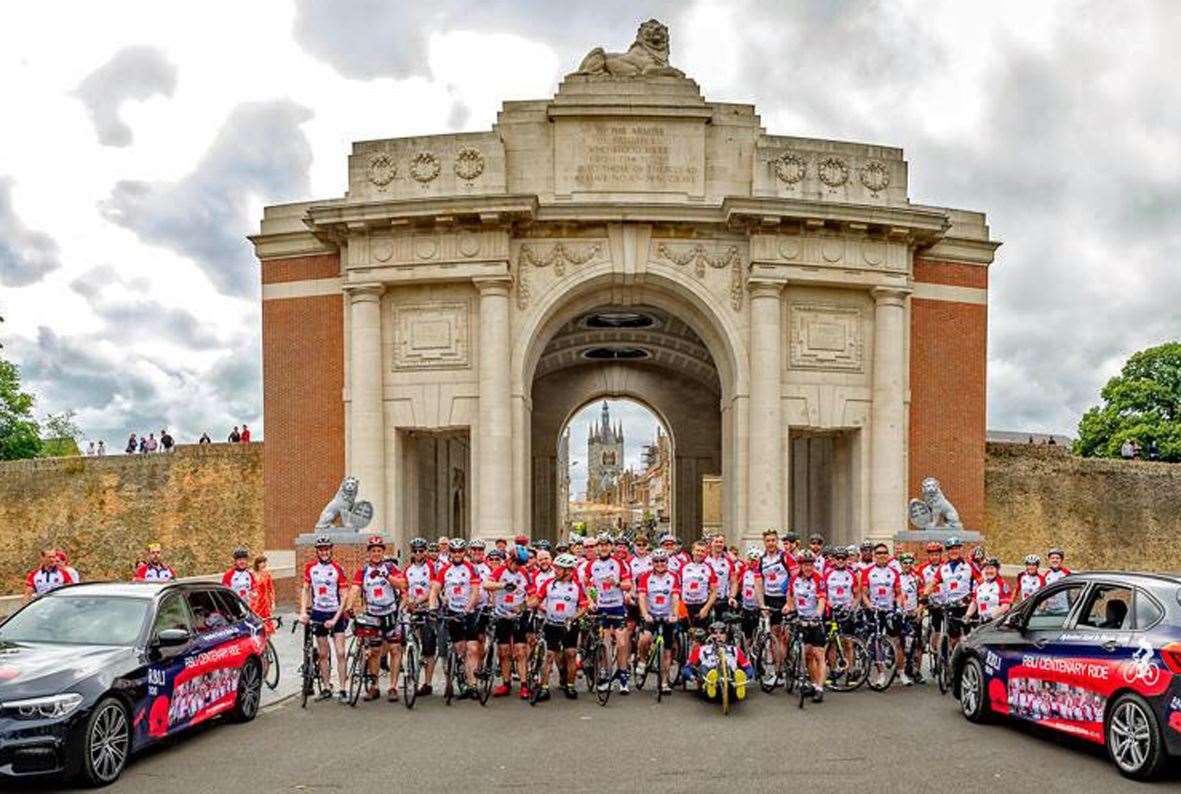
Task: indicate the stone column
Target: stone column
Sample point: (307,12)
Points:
(887,467)
(366,421)
(765,446)
(495,464)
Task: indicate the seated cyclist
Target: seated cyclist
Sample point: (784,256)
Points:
(806,598)
(702,665)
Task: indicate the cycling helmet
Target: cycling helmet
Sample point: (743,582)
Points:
(660,555)
(457,544)
(496,554)
(241,553)
(562,548)
(543,545)
(375,540)
(521,553)
(321,541)
(851,548)
(866,545)
(565,561)
(953,543)
(841,553)
(753,552)
(717,626)
(906,557)
(791,537)
(993,561)
(807,556)
(604,538)
(1057,551)
(978,553)
(418,544)
(816,537)
(934,546)
(476,544)
(575,539)
(1033,559)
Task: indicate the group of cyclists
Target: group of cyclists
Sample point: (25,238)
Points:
(704,596)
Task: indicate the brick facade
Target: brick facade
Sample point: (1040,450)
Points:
(948,362)
(303,383)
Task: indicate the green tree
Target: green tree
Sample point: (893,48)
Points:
(20,436)
(60,435)
(1141,404)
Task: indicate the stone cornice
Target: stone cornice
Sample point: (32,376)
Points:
(284,245)
(337,221)
(916,225)
(959,249)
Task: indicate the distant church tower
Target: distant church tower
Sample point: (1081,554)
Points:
(604,455)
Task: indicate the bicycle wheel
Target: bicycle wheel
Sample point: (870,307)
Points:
(449,671)
(942,667)
(883,663)
(357,677)
(658,655)
(838,664)
(791,663)
(680,658)
(536,668)
(486,675)
(410,672)
(270,661)
(639,678)
(586,655)
(601,667)
(311,675)
(765,667)
(724,682)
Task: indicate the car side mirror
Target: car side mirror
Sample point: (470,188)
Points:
(1012,622)
(169,638)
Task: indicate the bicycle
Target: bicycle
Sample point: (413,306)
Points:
(725,678)
(366,637)
(846,670)
(411,657)
(911,647)
(486,670)
(455,670)
(941,662)
(270,657)
(598,668)
(654,665)
(763,654)
(535,662)
(796,679)
(883,659)
(309,669)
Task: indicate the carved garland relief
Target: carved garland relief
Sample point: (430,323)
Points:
(558,256)
(699,257)
(825,337)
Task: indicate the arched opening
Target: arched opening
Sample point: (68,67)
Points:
(655,360)
(615,469)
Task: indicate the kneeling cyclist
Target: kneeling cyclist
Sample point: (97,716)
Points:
(703,664)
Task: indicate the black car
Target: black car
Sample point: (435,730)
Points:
(91,673)
(1095,655)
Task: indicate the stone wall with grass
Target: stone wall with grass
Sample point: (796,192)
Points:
(199,502)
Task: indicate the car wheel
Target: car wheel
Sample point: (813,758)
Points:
(106,743)
(973,691)
(249,691)
(1133,738)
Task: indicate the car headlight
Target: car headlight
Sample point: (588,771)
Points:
(45,708)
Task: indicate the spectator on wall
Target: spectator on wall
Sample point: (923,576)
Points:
(1127,450)
(204,439)
(102,448)
(152,444)
(1152,451)
(245,436)
(143,445)
(166,441)
(90,450)
(132,445)
(235,436)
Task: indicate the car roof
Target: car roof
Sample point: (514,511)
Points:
(1142,578)
(132,589)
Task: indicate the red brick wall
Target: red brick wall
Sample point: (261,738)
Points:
(303,380)
(948,358)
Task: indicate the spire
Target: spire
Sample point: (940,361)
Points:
(606,422)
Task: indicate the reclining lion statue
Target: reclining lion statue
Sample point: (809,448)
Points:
(647,57)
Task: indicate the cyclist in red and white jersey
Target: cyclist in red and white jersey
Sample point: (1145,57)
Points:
(545,570)
(240,578)
(511,589)
(865,560)
(668,544)
(1031,579)
(953,584)
(881,591)
(420,577)
(992,596)
(816,546)
(842,587)
(699,589)
(658,592)
(457,587)
(609,580)
(475,548)
(154,569)
(49,575)
(806,599)
(726,568)
(750,591)
(775,567)
(910,600)
(561,602)
(1056,571)
(321,601)
(376,589)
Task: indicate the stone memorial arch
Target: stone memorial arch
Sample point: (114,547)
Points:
(806,332)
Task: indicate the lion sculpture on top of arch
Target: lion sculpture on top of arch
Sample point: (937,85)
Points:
(647,56)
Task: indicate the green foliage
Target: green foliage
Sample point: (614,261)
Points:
(60,435)
(1141,404)
(20,436)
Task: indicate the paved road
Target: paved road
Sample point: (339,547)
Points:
(863,741)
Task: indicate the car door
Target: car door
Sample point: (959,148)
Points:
(1026,644)
(166,667)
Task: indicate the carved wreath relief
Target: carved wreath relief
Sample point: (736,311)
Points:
(833,171)
(382,170)
(790,168)
(875,176)
(559,256)
(469,163)
(424,167)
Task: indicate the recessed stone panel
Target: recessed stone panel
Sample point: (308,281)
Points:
(824,337)
(431,336)
(637,155)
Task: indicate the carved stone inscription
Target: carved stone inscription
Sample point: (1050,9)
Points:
(621,155)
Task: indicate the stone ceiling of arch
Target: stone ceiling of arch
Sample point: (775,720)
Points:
(668,344)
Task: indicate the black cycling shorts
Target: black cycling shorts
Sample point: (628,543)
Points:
(559,636)
(811,634)
(696,622)
(511,629)
(776,605)
(936,613)
(887,619)
(430,640)
(460,627)
(666,630)
(955,620)
(750,621)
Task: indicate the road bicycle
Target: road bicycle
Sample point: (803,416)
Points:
(912,646)
(598,660)
(762,647)
(455,671)
(941,661)
(486,669)
(309,668)
(270,657)
(412,661)
(844,654)
(796,679)
(653,666)
(883,660)
(366,638)
(535,662)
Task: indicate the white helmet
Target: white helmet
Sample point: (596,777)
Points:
(566,561)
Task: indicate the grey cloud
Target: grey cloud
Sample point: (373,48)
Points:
(364,39)
(25,255)
(133,73)
(458,116)
(259,153)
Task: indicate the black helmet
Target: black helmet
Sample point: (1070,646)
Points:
(476,543)
(993,561)
(791,537)
(241,553)
(1057,551)
(953,542)
(807,556)
(418,544)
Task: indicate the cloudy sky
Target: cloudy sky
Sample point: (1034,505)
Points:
(140,141)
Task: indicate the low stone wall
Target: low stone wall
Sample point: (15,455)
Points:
(200,502)
(1104,513)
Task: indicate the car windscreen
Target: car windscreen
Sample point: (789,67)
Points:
(78,620)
